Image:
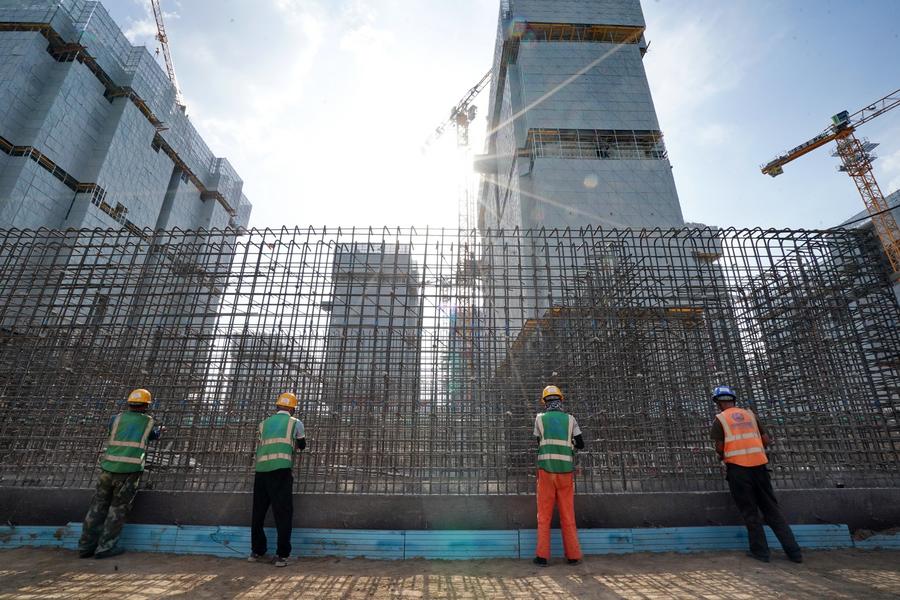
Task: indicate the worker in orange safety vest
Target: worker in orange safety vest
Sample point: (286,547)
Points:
(558,437)
(741,443)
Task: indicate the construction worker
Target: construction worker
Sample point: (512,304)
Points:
(121,467)
(741,443)
(558,435)
(274,482)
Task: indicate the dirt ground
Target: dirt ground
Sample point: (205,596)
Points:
(46,573)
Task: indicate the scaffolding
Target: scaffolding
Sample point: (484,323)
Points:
(419,355)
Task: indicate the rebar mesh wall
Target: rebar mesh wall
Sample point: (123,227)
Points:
(419,355)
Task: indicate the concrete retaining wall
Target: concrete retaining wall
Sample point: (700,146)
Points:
(876,509)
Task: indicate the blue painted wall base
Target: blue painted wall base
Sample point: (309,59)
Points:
(234,542)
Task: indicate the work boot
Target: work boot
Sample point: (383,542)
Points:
(574,561)
(280,561)
(764,559)
(85,553)
(254,557)
(795,558)
(114,551)
(541,562)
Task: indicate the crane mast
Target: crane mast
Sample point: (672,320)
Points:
(163,40)
(856,160)
(461,115)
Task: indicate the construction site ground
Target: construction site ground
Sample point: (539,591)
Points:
(50,573)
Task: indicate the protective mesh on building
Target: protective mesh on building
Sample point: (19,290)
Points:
(419,355)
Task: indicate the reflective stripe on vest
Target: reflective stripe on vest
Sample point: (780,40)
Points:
(127,455)
(744,451)
(281,440)
(278,456)
(277,450)
(555,452)
(745,448)
(563,457)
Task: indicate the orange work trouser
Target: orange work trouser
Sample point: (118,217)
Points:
(558,489)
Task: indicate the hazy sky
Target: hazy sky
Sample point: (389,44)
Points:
(323,106)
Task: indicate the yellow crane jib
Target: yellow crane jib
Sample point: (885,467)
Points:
(856,160)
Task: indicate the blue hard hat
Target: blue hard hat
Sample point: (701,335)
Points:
(723,390)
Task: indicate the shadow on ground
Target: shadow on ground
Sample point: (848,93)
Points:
(46,573)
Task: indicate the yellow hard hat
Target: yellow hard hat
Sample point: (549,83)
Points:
(139,396)
(551,390)
(286,400)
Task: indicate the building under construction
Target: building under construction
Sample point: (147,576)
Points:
(418,355)
(573,137)
(414,385)
(91,134)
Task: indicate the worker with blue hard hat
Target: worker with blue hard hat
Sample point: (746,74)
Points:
(741,442)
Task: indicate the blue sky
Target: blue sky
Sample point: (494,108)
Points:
(323,105)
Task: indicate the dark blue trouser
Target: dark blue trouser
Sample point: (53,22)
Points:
(752,491)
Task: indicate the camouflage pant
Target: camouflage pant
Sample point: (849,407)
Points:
(109,507)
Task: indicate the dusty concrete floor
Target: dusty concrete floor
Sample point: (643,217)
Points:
(45,573)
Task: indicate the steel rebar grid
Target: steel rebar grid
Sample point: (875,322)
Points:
(419,355)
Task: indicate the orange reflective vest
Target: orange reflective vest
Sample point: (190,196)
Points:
(743,443)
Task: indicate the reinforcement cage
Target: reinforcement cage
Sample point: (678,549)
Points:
(419,355)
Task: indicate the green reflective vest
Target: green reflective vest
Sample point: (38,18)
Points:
(555,454)
(276,443)
(127,445)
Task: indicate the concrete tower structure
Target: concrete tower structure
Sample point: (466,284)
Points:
(573,137)
(374,337)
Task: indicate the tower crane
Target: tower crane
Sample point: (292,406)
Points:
(163,40)
(856,160)
(461,116)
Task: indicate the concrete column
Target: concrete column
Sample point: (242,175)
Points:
(163,221)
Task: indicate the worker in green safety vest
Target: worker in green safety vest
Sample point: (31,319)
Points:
(121,467)
(558,437)
(273,482)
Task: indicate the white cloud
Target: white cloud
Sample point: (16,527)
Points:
(689,64)
(326,123)
(893,186)
(684,70)
(714,134)
(891,163)
(140,31)
(366,40)
(888,169)
(143,31)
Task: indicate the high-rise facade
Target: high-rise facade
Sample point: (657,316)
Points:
(91,135)
(374,337)
(92,141)
(573,137)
